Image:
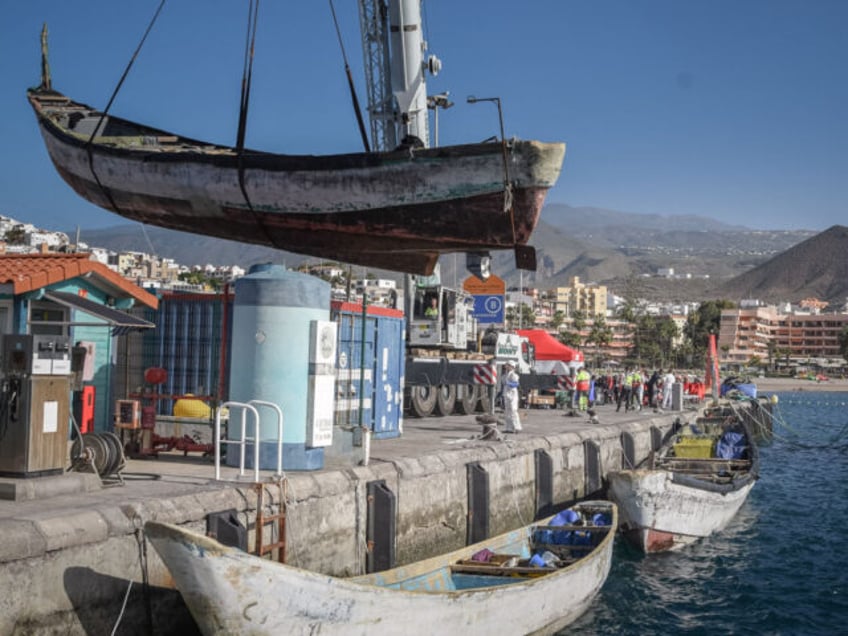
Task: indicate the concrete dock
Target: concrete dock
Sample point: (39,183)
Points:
(73,553)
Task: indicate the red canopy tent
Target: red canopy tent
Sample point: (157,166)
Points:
(549,348)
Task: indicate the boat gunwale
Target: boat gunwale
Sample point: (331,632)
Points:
(227,156)
(369,582)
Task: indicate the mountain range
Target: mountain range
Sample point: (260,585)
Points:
(709,258)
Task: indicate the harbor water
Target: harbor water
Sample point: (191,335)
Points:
(781,567)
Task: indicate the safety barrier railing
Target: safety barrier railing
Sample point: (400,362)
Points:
(279,413)
(243,440)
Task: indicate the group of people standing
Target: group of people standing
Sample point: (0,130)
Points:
(632,388)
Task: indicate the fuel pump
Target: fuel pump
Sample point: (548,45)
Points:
(34,405)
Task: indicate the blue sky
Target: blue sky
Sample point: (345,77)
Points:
(731,109)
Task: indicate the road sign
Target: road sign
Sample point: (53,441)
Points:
(489,308)
(490,287)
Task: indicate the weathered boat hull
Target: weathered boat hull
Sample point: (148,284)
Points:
(396,210)
(229,591)
(691,487)
(658,514)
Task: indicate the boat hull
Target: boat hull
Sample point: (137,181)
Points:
(658,514)
(229,591)
(398,210)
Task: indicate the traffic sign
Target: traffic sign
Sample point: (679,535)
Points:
(489,308)
(489,287)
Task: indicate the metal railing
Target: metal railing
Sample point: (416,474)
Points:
(243,439)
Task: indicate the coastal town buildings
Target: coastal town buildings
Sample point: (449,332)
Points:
(588,298)
(771,333)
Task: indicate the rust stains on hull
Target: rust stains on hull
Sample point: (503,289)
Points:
(396,210)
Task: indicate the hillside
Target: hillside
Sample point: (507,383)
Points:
(816,267)
(602,246)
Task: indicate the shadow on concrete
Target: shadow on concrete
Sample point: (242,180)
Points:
(97,600)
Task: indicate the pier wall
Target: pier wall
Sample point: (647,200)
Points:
(70,573)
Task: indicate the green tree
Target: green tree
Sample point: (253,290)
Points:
(197,277)
(771,349)
(557,319)
(527,317)
(570,339)
(701,323)
(601,334)
(15,235)
(578,320)
(667,333)
(843,343)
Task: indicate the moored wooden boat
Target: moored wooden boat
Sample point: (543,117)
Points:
(395,210)
(688,489)
(492,587)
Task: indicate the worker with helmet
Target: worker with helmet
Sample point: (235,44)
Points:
(512,422)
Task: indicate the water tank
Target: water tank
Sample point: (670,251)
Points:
(272,312)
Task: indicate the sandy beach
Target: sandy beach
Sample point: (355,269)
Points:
(773,385)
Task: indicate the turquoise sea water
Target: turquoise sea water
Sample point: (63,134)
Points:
(781,567)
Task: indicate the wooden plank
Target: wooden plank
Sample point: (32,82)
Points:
(496,570)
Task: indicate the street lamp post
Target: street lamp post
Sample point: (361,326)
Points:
(434,103)
(497,100)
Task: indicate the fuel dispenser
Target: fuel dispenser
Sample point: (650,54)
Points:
(34,405)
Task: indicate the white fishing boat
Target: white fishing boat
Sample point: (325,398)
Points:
(536,579)
(690,488)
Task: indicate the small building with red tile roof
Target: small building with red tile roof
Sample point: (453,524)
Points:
(72,296)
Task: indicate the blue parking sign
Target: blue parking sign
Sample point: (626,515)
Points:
(488,308)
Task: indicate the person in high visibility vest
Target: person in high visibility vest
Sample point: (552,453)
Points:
(637,392)
(582,382)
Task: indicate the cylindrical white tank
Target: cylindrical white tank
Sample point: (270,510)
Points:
(272,312)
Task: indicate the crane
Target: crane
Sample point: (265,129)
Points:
(396,63)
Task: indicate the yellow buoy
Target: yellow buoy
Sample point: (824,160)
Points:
(192,407)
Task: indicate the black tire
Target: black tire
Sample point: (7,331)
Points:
(423,400)
(485,404)
(446,399)
(467,397)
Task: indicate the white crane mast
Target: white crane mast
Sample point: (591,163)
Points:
(395,65)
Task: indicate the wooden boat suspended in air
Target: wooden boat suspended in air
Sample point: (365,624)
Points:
(536,579)
(393,210)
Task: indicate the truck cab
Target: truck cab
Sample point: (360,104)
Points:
(510,347)
(441,318)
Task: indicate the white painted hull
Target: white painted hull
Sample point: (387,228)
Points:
(658,514)
(231,592)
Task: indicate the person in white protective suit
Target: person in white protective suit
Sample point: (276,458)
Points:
(512,422)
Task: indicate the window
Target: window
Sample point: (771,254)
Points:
(41,314)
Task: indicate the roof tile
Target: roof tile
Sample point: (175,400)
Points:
(28,272)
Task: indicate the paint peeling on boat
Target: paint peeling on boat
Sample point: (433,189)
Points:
(396,210)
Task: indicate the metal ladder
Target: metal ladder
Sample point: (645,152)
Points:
(262,520)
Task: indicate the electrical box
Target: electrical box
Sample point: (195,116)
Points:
(128,414)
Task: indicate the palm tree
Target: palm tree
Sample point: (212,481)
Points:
(601,334)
